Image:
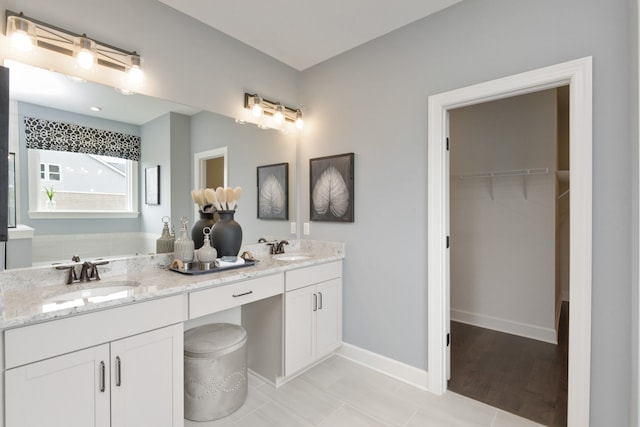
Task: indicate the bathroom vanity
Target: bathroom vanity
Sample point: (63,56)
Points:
(119,360)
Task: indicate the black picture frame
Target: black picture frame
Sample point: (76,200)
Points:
(152,185)
(331,188)
(273,191)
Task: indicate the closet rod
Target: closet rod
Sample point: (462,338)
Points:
(506,173)
(524,173)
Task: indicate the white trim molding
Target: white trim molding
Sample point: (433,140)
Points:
(390,367)
(200,170)
(526,330)
(578,75)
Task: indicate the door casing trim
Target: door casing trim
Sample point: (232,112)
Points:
(578,75)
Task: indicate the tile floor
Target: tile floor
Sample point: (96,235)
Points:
(341,393)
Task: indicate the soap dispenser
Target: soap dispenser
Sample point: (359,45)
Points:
(183,247)
(165,243)
(206,254)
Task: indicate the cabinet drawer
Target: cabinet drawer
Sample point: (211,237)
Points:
(223,297)
(306,276)
(43,340)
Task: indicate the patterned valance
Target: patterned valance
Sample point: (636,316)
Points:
(50,135)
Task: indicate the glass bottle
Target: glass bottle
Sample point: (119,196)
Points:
(207,253)
(183,246)
(166,241)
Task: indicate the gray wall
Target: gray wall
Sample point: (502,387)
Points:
(180,180)
(155,151)
(373,101)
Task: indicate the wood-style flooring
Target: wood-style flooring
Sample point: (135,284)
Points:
(519,375)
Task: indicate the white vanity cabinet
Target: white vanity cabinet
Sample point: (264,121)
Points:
(132,381)
(313,314)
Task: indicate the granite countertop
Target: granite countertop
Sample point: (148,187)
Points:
(25,292)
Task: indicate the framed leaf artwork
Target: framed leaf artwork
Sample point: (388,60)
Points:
(331,188)
(273,191)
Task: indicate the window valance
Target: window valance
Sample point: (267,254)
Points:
(57,136)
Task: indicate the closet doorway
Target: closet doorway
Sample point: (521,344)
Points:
(509,260)
(578,76)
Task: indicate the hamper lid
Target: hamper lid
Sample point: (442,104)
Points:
(212,340)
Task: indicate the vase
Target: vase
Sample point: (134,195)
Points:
(183,247)
(50,204)
(226,235)
(206,220)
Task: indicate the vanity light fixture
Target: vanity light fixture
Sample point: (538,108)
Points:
(26,33)
(280,113)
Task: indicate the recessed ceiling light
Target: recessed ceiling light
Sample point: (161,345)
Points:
(95,108)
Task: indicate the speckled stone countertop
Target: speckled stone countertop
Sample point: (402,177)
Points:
(25,292)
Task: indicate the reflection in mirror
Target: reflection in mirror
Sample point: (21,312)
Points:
(170,136)
(12,191)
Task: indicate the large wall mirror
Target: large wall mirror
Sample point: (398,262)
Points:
(172,136)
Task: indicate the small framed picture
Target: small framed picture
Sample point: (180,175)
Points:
(152,185)
(273,191)
(331,188)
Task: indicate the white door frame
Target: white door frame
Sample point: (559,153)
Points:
(578,75)
(200,170)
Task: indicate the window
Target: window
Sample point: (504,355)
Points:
(49,172)
(99,167)
(93,185)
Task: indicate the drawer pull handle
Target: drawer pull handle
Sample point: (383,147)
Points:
(102,376)
(241,295)
(118,372)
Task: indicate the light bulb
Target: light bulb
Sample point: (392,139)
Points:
(135,75)
(299,121)
(22,34)
(85,52)
(278,116)
(21,42)
(256,110)
(85,59)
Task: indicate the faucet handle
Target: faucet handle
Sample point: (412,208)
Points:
(94,273)
(72,273)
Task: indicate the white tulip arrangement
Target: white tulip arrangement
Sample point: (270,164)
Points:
(220,199)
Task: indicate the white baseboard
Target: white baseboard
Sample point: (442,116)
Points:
(504,325)
(398,370)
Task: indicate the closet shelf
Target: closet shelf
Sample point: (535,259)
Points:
(490,176)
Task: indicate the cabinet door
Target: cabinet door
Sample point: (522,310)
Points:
(300,326)
(146,379)
(329,313)
(67,391)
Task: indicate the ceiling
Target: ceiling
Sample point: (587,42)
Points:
(303,33)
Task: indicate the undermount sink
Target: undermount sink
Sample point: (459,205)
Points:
(291,257)
(113,291)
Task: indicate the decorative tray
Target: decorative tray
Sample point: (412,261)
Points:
(195,268)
